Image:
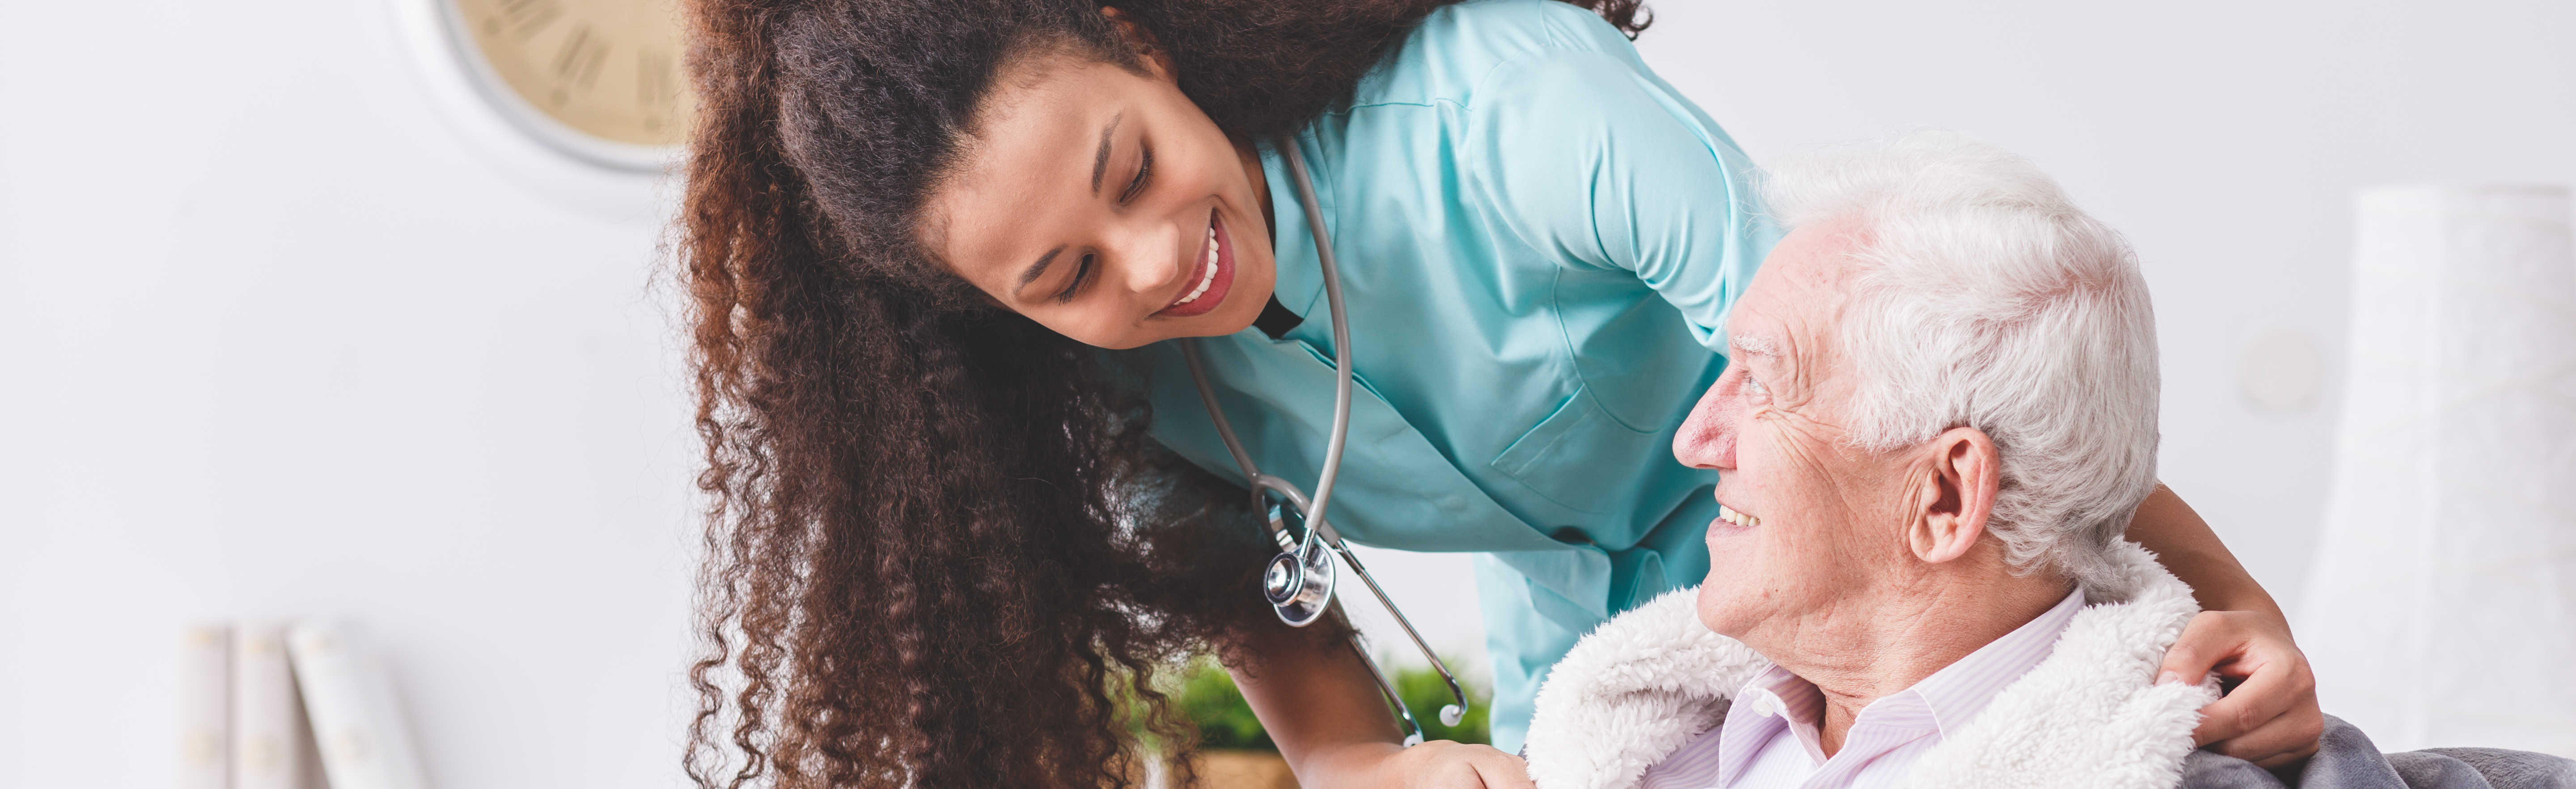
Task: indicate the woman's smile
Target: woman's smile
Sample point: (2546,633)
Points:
(1207,284)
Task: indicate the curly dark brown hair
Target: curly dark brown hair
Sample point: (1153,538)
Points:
(941,549)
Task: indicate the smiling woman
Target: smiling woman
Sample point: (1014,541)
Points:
(1141,216)
(939,533)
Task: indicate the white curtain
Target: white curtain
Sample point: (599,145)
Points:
(2442,607)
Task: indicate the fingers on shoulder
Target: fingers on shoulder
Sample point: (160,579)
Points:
(1461,766)
(2281,741)
(2211,638)
(2224,720)
(1504,771)
(2187,660)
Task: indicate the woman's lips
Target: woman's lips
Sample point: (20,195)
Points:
(1210,279)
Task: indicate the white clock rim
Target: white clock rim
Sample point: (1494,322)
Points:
(518,135)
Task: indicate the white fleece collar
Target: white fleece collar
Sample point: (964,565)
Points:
(1643,684)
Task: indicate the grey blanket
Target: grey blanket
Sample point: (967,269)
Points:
(2347,760)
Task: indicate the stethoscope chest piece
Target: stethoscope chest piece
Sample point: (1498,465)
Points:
(1299,583)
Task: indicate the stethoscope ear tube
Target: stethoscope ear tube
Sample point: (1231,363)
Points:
(1299,582)
(1341,434)
(1450,714)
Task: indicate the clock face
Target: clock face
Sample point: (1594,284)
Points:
(607,68)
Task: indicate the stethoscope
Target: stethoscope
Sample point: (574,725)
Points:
(1299,581)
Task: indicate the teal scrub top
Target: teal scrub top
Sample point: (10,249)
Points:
(1539,241)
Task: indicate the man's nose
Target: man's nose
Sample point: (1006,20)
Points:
(1707,438)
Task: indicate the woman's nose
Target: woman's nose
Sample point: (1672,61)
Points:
(1149,257)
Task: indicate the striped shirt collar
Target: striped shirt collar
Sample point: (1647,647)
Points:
(1776,699)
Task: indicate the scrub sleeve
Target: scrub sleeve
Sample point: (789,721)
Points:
(1540,241)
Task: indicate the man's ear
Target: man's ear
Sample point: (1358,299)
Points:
(1148,48)
(1957,497)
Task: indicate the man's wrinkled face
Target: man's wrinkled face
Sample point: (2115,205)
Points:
(1805,517)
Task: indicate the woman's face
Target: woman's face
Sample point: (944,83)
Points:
(1106,206)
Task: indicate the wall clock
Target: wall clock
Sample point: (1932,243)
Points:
(594,81)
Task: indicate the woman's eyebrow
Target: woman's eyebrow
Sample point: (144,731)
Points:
(1100,161)
(1036,270)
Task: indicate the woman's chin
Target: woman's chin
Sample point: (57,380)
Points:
(1221,322)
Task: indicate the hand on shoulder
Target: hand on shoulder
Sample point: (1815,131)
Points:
(1438,764)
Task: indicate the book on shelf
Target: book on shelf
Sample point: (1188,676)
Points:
(350,698)
(269,705)
(269,740)
(206,707)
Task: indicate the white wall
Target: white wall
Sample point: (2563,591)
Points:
(273,340)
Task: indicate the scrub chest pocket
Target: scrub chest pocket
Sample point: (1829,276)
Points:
(1560,458)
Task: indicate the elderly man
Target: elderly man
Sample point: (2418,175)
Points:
(1940,416)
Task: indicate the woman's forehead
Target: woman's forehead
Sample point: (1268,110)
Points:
(1047,95)
(1038,146)
(1050,129)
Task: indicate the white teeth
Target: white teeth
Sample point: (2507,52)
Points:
(1208,278)
(1728,514)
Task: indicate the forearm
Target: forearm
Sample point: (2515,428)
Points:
(1318,703)
(2272,718)
(2186,546)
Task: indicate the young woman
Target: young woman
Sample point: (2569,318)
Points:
(953,539)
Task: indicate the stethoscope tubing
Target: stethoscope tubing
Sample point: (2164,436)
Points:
(1332,471)
(1320,534)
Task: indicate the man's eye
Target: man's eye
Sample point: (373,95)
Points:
(1754,387)
(1080,272)
(1144,173)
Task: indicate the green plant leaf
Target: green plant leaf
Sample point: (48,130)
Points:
(1208,697)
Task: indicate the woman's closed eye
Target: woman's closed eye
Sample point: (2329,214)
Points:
(1135,186)
(1144,175)
(1081,271)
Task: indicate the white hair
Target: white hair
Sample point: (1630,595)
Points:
(1986,299)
